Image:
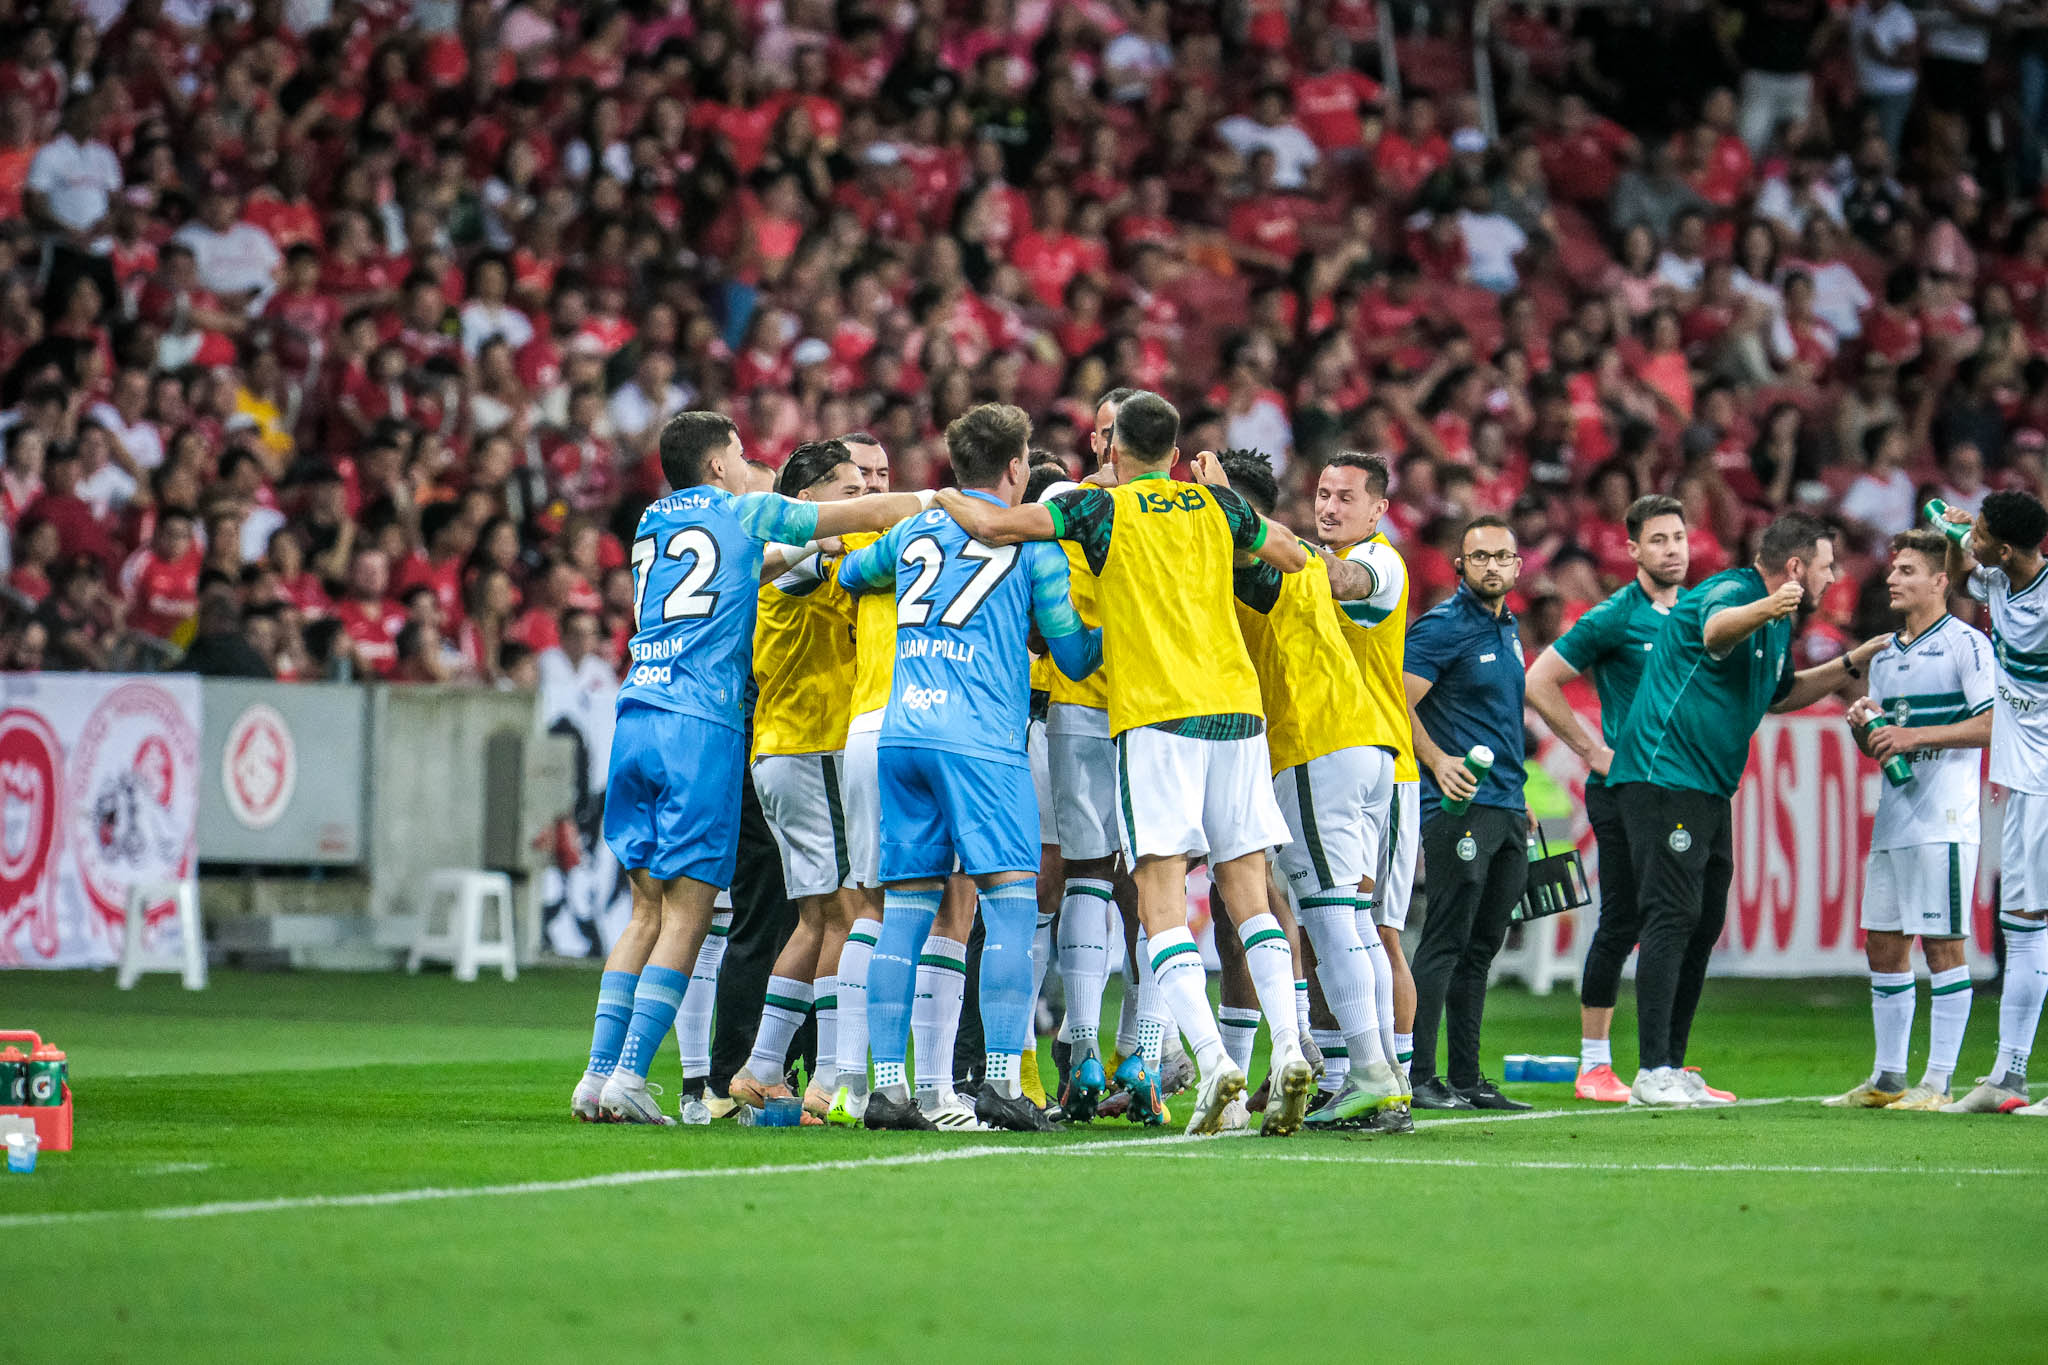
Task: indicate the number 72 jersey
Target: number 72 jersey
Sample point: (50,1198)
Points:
(696,561)
(964,612)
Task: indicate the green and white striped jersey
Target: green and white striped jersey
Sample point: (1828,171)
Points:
(2019,641)
(1944,676)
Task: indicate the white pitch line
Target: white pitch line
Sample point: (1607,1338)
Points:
(1607,1111)
(1148,1147)
(1265,1152)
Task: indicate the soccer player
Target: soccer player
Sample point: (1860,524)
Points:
(1351,497)
(671,806)
(955,773)
(1333,775)
(803,668)
(942,972)
(1933,684)
(1724,659)
(1184,709)
(2002,567)
(1614,641)
(1081,769)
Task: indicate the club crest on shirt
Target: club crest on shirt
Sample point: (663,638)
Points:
(1468,848)
(1680,840)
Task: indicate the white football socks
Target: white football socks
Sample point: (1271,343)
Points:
(1084,960)
(825,1009)
(1595,1052)
(1271,965)
(1184,984)
(2026,983)
(782,1012)
(1240,1029)
(1382,994)
(693,1019)
(935,1010)
(1346,970)
(1948,1010)
(1891,1014)
(853,1003)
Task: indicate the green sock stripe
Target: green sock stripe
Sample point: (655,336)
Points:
(2021,926)
(1951,988)
(783,1002)
(1252,1022)
(868,939)
(1174,950)
(951,964)
(1337,1051)
(1263,936)
(1404,1056)
(1319,902)
(1890,990)
(825,1002)
(1095,891)
(717,932)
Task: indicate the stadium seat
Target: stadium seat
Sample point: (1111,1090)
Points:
(451,927)
(188,959)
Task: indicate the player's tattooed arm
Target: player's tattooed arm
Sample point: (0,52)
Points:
(1351,580)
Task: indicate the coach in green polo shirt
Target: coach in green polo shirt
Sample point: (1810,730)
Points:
(1723,660)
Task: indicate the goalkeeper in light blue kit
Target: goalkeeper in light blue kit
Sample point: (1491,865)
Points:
(671,808)
(955,771)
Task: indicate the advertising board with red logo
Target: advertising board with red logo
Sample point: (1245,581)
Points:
(1802,828)
(99,783)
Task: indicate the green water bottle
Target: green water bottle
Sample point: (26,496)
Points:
(1936,511)
(1479,762)
(1898,770)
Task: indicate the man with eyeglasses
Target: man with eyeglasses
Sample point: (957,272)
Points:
(1463,673)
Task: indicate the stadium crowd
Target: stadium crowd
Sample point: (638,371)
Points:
(335,335)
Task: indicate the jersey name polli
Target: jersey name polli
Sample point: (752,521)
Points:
(1942,678)
(696,560)
(1376,629)
(1315,701)
(962,672)
(2019,641)
(803,662)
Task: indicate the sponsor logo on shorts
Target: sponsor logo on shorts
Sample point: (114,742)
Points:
(1680,840)
(1468,848)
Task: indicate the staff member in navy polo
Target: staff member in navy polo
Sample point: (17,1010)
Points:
(1464,678)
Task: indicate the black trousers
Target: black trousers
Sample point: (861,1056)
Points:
(1621,921)
(763,918)
(1684,855)
(1477,867)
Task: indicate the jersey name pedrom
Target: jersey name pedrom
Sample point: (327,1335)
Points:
(696,560)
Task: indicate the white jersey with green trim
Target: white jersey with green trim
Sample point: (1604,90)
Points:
(2019,641)
(1943,677)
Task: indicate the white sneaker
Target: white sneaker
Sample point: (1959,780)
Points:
(1988,1098)
(1294,1081)
(1176,1073)
(694,1113)
(1659,1088)
(1236,1118)
(630,1099)
(2037,1110)
(1702,1094)
(951,1114)
(583,1104)
(1217,1090)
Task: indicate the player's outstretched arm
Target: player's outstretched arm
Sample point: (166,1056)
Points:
(1545,690)
(1730,626)
(871,568)
(1281,548)
(875,512)
(1351,580)
(1961,563)
(1809,685)
(993,525)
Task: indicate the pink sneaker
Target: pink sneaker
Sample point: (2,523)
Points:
(1602,1085)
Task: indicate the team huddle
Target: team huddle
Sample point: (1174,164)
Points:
(1029,706)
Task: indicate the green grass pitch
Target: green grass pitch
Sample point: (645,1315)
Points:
(371,1168)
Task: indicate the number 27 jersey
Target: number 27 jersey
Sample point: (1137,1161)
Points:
(964,612)
(696,562)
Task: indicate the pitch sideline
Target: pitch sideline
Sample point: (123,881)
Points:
(1162,1147)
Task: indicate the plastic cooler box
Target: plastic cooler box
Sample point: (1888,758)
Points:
(52,1121)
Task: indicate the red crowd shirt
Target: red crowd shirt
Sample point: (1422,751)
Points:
(162,594)
(374,628)
(1327,106)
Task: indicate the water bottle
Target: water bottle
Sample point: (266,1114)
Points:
(1936,511)
(1479,762)
(1898,770)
